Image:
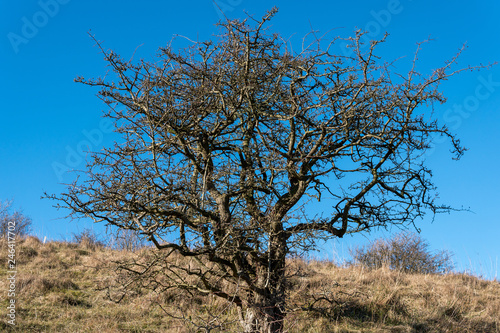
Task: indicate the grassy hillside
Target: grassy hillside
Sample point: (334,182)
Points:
(64,287)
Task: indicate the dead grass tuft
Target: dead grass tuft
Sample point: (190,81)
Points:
(32,241)
(34,284)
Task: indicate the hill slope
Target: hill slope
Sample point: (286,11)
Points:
(64,287)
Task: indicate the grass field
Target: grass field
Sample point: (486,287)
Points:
(64,287)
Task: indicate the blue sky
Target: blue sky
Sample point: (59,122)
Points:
(47,119)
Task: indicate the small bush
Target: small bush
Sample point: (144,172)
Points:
(406,252)
(88,238)
(14,222)
(124,239)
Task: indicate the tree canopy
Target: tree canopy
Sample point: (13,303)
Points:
(226,143)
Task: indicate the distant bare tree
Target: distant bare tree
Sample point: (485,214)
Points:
(225,143)
(15,221)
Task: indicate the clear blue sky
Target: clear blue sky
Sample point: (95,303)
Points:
(46,117)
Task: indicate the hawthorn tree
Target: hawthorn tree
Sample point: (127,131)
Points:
(226,143)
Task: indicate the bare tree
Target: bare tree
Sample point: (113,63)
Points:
(225,143)
(14,222)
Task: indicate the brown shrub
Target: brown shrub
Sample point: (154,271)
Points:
(406,252)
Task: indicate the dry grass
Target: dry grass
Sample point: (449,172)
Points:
(61,288)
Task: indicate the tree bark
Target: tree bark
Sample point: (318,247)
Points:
(266,306)
(266,316)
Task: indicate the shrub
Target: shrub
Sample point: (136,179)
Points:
(406,252)
(126,239)
(88,238)
(21,225)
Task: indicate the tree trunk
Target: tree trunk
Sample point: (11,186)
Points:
(265,312)
(262,319)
